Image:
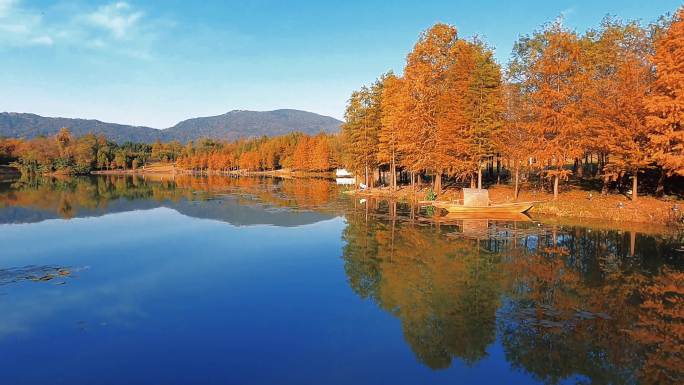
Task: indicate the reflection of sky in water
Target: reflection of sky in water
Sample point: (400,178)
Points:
(169,299)
(196,292)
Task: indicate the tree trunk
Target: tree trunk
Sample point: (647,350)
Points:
(498,171)
(660,189)
(634,186)
(580,168)
(555,187)
(479,175)
(516,187)
(438,182)
(393,172)
(413,181)
(365,180)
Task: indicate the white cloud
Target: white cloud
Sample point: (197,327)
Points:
(117,18)
(567,12)
(116,28)
(42,40)
(17,25)
(6,6)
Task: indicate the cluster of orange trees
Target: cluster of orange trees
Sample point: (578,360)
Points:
(64,153)
(295,151)
(609,101)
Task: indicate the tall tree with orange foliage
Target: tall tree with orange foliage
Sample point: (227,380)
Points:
(430,136)
(302,155)
(555,83)
(394,119)
(483,108)
(621,77)
(515,138)
(666,103)
(320,153)
(361,130)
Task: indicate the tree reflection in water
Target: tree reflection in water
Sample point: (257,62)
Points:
(563,302)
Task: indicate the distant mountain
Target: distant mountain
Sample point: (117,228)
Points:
(232,125)
(240,124)
(18,125)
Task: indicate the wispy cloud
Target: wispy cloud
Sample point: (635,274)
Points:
(17,26)
(117,27)
(5,6)
(117,18)
(567,12)
(42,40)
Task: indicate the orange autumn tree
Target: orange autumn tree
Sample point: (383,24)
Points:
(429,136)
(555,82)
(394,119)
(9,149)
(302,158)
(666,103)
(483,107)
(515,138)
(361,129)
(620,78)
(457,113)
(320,153)
(630,145)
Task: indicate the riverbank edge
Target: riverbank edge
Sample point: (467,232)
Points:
(282,173)
(575,205)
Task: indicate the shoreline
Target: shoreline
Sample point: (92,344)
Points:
(574,204)
(170,170)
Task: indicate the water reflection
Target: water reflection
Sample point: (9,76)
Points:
(564,302)
(239,201)
(560,302)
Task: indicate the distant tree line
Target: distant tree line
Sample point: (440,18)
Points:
(294,151)
(63,153)
(607,104)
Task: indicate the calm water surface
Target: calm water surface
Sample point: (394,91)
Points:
(119,280)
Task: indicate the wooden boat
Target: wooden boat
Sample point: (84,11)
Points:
(494,217)
(477,201)
(500,208)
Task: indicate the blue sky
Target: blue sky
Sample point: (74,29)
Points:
(158,62)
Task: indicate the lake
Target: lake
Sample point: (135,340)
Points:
(220,280)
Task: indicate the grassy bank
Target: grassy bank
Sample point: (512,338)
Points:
(575,203)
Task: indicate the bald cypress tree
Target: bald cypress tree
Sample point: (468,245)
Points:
(554,82)
(361,130)
(484,109)
(426,75)
(394,119)
(666,103)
